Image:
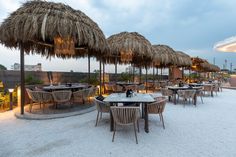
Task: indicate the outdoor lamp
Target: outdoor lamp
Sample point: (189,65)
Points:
(10,91)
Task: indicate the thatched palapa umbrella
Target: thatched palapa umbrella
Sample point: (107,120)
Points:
(129,47)
(184,59)
(50,29)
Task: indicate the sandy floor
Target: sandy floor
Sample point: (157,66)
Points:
(208,130)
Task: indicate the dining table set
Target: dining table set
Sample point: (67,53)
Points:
(136,98)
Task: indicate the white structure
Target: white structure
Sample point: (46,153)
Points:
(227,45)
(37,67)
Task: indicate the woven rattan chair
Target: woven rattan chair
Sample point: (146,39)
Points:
(88,93)
(62,96)
(102,107)
(78,96)
(35,97)
(216,88)
(207,89)
(125,116)
(46,97)
(186,95)
(117,88)
(141,88)
(158,107)
(132,87)
(167,93)
(200,94)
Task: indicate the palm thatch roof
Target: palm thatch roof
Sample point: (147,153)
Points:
(165,55)
(123,43)
(184,59)
(202,65)
(35,25)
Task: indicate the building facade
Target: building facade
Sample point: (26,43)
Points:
(37,67)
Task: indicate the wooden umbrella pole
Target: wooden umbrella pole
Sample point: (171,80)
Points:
(103,77)
(157,75)
(88,67)
(153,74)
(116,69)
(161,74)
(146,77)
(140,75)
(22,80)
(133,72)
(100,78)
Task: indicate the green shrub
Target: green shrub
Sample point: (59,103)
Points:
(31,80)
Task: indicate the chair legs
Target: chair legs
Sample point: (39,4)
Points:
(162,120)
(97,119)
(114,132)
(135,132)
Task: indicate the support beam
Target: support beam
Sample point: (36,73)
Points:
(146,78)
(140,75)
(88,68)
(103,77)
(116,69)
(22,80)
(100,78)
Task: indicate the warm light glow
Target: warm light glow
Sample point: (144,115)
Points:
(10,90)
(126,56)
(64,46)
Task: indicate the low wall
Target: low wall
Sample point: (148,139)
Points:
(11,78)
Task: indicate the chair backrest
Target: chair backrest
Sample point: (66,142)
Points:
(118,88)
(46,96)
(78,94)
(216,87)
(186,93)
(125,115)
(158,106)
(208,88)
(35,96)
(101,106)
(133,87)
(62,95)
(141,87)
(166,92)
(93,91)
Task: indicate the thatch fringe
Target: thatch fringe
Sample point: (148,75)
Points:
(39,22)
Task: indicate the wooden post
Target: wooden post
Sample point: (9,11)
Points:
(140,75)
(146,77)
(116,69)
(153,75)
(157,75)
(103,77)
(88,68)
(22,80)
(133,72)
(100,79)
(161,74)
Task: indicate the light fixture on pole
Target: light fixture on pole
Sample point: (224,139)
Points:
(11,91)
